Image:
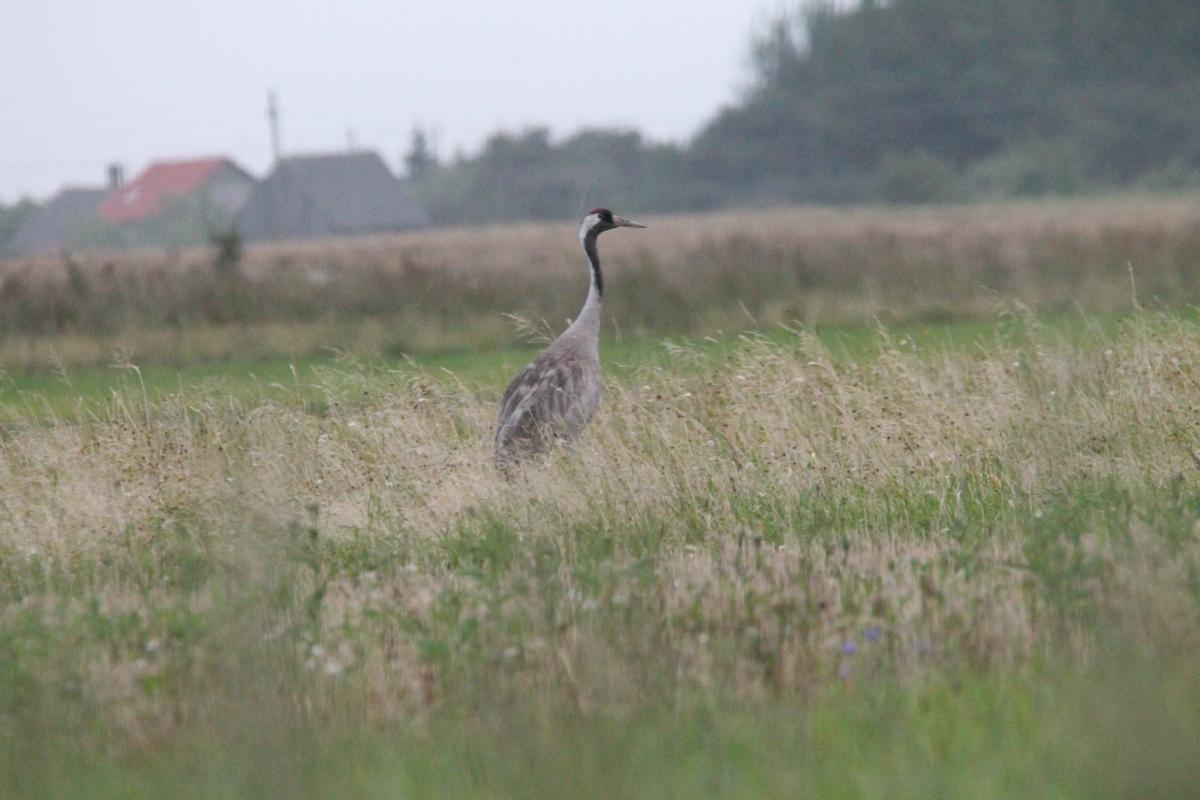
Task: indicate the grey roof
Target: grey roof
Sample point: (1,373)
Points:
(329,195)
(52,226)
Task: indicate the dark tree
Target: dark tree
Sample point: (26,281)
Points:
(420,159)
(900,100)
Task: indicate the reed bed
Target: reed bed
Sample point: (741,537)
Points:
(445,289)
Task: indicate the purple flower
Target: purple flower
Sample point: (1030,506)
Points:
(849,648)
(874,633)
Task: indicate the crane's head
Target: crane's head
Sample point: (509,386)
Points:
(600,220)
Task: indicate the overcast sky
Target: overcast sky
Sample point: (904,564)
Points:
(88,82)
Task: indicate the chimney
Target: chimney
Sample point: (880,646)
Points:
(116,176)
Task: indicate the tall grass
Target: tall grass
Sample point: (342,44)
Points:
(449,289)
(776,573)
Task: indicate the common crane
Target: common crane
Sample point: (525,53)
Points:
(555,396)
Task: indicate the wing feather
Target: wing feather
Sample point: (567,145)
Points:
(549,397)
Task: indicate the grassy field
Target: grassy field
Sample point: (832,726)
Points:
(89,390)
(443,291)
(961,570)
(937,559)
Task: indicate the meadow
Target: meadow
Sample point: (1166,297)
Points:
(941,538)
(448,291)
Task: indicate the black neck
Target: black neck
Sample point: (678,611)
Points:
(589,247)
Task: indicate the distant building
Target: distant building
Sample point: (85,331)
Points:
(172,204)
(343,194)
(217,181)
(56,225)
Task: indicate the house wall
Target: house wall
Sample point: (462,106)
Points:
(312,197)
(228,189)
(279,209)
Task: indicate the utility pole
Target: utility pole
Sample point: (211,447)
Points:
(269,204)
(273,119)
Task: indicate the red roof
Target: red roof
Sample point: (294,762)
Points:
(161,181)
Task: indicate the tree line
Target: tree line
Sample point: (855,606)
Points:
(902,101)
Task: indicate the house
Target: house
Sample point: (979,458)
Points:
(219,180)
(56,225)
(175,203)
(341,194)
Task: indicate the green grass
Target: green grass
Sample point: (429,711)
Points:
(1046,735)
(89,390)
(955,557)
(1123,724)
(950,561)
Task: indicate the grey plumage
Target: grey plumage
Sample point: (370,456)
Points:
(554,397)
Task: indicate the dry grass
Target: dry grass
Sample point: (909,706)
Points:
(970,570)
(450,288)
(734,530)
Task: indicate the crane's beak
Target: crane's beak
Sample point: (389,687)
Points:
(621,222)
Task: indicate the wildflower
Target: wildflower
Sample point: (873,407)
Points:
(849,648)
(874,633)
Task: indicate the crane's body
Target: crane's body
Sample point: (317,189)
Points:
(555,396)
